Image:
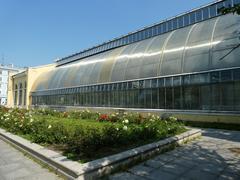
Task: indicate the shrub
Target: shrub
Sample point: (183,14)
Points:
(86,137)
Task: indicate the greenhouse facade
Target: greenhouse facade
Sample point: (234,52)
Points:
(189,62)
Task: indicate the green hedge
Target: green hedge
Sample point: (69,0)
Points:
(84,134)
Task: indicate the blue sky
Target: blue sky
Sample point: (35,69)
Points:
(37,32)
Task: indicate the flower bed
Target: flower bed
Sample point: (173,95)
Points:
(85,135)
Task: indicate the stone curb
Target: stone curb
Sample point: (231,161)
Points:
(100,167)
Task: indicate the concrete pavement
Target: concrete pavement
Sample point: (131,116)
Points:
(216,155)
(15,166)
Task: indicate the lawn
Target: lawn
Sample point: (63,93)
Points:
(85,135)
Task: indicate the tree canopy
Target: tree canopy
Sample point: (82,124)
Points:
(235,9)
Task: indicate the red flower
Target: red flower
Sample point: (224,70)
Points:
(103,117)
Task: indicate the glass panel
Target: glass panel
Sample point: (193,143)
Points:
(214,77)
(169,98)
(235,2)
(168,81)
(236,74)
(175,25)
(146,33)
(142,34)
(216,94)
(154,83)
(155,30)
(141,97)
(236,95)
(226,75)
(176,81)
(150,32)
(192,18)
(169,27)
(199,15)
(196,57)
(130,37)
(213,11)
(164,29)
(159,29)
(155,98)
(172,57)
(135,84)
(141,84)
(228,3)
(177,97)
(186,20)
(180,22)
(161,98)
(130,85)
(161,82)
(227,97)
(205,13)
(148,98)
(186,80)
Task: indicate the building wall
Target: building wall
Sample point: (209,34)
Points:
(5,71)
(19,90)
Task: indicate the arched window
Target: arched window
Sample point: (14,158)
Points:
(15,94)
(20,94)
(25,94)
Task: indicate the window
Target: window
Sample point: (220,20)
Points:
(192,18)
(168,81)
(155,31)
(235,2)
(20,94)
(139,36)
(199,15)
(161,82)
(0,71)
(186,80)
(214,77)
(151,32)
(176,81)
(226,75)
(147,83)
(186,20)
(134,37)
(141,84)
(169,24)
(159,29)
(175,25)
(203,78)
(135,84)
(213,11)
(180,22)
(228,3)
(124,86)
(164,28)
(236,74)
(205,13)
(154,83)
(130,85)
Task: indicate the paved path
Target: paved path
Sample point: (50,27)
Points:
(15,166)
(216,155)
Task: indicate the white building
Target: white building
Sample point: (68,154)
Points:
(5,72)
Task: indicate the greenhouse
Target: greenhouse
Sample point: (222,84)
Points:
(189,62)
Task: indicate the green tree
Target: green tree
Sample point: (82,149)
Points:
(235,9)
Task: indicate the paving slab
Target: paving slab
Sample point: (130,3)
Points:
(216,155)
(15,166)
